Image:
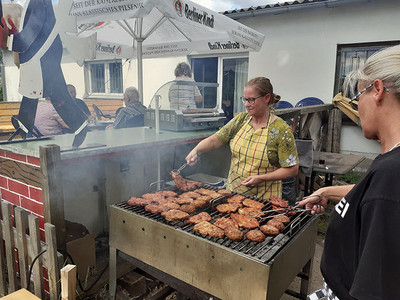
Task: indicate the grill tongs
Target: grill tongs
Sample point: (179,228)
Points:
(262,214)
(178,171)
(295,208)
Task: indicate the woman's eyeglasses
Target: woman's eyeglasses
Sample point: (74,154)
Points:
(353,104)
(251,100)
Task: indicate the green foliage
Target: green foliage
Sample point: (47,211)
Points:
(352,177)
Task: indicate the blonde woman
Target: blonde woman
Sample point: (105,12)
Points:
(361,256)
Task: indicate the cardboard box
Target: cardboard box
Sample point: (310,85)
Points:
(83,252)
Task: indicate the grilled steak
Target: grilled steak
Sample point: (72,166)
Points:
(183,184)
(224,192)
(203,216)
(224,223)
(138,201)
(253,204)
(233,234)
(249,211)
(245,221)
(174,215)
(207,228)
(227,207)
(276,201)
(236,198)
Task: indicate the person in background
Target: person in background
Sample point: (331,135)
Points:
(182,96)
(47,120)
(132,115)
(361,255)
(79,102)
(262,145)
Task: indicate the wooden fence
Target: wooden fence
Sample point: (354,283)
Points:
(21,250)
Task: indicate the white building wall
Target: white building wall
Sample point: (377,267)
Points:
(299,51)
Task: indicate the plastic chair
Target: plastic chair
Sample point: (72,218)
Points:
(283,104)
(309,101)
(99,113)
(18,130)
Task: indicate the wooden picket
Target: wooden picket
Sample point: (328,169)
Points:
(28,247)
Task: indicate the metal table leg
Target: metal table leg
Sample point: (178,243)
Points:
(113,273)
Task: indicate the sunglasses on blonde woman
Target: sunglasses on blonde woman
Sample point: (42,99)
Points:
(354,101)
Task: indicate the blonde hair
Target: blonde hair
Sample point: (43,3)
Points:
(263,86)
(383,65)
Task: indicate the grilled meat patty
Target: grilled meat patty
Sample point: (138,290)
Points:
(189,208)
(255,236)
(282,218)
(269,230)
(276,224)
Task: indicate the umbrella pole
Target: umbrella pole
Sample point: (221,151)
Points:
(140,57)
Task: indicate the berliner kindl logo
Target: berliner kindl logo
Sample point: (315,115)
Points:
(178,7)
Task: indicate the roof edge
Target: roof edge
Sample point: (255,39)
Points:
(286,7)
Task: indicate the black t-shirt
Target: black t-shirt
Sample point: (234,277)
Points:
(361,258)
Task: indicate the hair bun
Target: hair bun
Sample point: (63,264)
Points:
(276,98)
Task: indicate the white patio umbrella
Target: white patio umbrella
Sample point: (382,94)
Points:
(160,28)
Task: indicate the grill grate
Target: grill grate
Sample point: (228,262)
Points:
(263,252)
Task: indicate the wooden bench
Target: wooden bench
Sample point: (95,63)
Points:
(8,109)
(108,107)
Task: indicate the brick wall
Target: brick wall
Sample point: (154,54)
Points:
(20,183)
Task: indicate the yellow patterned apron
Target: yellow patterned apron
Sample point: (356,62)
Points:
(250,157)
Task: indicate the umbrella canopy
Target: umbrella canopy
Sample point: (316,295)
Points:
(160,28)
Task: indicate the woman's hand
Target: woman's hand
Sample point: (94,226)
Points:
(252,181)
(192,158)
(316,202)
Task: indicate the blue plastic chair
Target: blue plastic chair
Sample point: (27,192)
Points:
(309,101)
(283,104)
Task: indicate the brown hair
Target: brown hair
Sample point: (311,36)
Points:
(183,69)
(263,86)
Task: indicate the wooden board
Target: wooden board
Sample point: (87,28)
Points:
(21,294)
(25,173)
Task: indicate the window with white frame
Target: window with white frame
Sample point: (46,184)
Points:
(103,77)
(231,73)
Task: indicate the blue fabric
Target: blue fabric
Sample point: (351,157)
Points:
(283,104)
(309,101)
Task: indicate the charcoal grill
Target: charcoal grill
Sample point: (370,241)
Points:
(220,268)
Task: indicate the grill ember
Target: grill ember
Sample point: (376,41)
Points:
(219,213)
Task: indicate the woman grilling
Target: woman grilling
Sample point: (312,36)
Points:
(361,256)
(262,145)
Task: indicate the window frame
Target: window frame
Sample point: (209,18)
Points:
(88,83)
(348,48)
